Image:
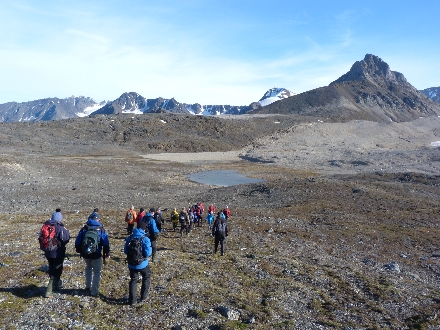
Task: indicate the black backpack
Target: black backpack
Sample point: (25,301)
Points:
(134,251)
(220,229)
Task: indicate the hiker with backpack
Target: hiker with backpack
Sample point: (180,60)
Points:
(158,218)
(149,223)
(220,232)
(190,220)
(174,218)
(92,242)
(138,248)
(130,217)
(53,238)
(184,222)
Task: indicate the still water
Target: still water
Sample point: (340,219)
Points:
(222,178)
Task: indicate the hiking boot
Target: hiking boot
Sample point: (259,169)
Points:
(57,285)
(49,293)
(87,291)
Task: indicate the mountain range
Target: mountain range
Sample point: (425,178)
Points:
(369,91)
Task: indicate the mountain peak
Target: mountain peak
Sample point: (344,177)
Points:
(275,94)
(371,68)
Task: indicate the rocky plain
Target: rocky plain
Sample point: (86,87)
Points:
(342,234)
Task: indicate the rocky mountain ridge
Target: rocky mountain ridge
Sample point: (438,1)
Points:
(369,91)
(131,102)
(433,93)
(47,109)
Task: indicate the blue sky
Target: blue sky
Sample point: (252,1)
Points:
(210,52)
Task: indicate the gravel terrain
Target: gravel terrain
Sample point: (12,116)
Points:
(342,234)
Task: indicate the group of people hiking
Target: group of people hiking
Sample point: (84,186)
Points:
(92,243)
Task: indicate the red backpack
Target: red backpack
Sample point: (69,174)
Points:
(47,239)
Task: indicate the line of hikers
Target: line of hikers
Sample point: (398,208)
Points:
(93,244)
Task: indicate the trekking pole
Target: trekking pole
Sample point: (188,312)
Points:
(104,262)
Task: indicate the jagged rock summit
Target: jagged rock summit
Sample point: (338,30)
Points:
(136,104)
(369,91)
(372,69)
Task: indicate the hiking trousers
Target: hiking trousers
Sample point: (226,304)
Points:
(55,267)
(93,274)
(132,285)
(218,240)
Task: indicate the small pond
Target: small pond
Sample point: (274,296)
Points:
(223,178)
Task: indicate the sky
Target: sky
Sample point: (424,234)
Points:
(207,51)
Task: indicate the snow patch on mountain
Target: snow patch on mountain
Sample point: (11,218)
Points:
(275,94)
(87,111)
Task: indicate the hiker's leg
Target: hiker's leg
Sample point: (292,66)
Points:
(216,241)
(154,249)
(56,273)
(222,246)
(146,278)
(88,273)
(132,287)
(97,267)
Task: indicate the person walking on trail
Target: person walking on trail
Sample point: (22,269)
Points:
(158,218)
(149,223)
(140,215)
(138,248)
(220,232)
(174,218)
(93,244)
(210,219)
(130,217)
(227,212)
(184,222)
(202,209)
(211,208)
(53,239)
(190,220)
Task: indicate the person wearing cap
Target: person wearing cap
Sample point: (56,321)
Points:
(55,257)
(149,223)
(93,261)
(94,213)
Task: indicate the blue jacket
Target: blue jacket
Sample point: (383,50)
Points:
(210,218)
(63,237)
(146,247)
(152,227)
(104,242)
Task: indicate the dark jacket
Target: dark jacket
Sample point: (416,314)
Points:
(215,227)
(63,237)
(146,247)
(158,218)
(103,243)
